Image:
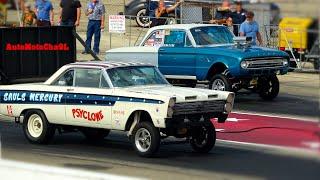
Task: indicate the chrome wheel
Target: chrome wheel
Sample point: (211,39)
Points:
(141,18)
(219,85)
(143,140)
(35,125)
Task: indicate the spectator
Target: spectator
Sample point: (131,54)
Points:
(44,12)
(96,15)
(250,28)
(29,17)
(162,12)
(70,12)
(223,14)
(238,17)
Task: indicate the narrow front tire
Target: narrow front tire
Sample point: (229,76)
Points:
(145,139)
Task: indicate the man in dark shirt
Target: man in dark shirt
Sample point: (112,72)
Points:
(70,12)
(223,13)
(238,17)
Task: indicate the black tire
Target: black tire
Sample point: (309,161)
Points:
(142,22)
(316,64)
(48,130)
(222,79)
(93,134)
(153,139)
(268,87)
(203,139)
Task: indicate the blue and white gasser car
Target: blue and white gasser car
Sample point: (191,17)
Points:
(96,97)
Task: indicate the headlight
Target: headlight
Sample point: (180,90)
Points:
(172,102)
(285,62)
(230,98)
(244,64)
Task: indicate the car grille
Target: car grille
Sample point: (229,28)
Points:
(188,108)
(268,62)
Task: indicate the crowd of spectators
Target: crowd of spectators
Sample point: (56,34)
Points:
(40,14)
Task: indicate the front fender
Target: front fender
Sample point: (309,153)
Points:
(205,63)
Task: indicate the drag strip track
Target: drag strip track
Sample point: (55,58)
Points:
(175,160)
(270,130)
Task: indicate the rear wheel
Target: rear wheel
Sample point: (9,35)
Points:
(268,87)
(203,139)
(36,127)
(95,134)
(220,82)
(145,139)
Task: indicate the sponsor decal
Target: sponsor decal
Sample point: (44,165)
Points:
(83,114)
(32,97)
(37,47)
(118,112)
(9,110)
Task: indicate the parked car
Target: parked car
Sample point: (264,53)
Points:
(96,97)
(189,53)
(143,11)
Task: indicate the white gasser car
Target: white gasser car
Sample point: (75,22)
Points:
(96,97)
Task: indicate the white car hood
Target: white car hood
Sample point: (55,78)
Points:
(181,94)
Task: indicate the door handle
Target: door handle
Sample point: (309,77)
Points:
(161,50)
(70,90)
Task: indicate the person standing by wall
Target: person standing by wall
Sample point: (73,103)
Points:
(96,15)
(250,28)
(70,13)
(29,17)
(44,12)
(223,14)
(238,17)
(162,12)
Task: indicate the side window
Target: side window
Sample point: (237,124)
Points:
(155,39)
(87,78)
(103,82)
(188,42)
(66,79)
(175,38)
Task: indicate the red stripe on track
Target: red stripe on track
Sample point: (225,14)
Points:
(267,130)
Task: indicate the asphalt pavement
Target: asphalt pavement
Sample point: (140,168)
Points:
(298,99)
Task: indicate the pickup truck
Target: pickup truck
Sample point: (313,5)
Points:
(189,53)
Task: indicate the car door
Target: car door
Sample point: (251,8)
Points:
(177,57)
(88,100)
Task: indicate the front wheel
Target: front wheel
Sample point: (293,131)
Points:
(145,139)
(268,87)
(203,139)
(220,82)
(36,127)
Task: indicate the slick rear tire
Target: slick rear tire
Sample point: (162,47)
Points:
(220,82)
(203,139)
(145,139)
(93,134)
(36,127)
(268,87)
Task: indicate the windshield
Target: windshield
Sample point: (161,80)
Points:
(211,35)
(135,76)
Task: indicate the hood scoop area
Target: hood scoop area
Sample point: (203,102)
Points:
(190,98)
(212,96)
